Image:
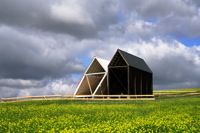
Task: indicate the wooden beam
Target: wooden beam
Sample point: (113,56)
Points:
(76,91)
(140,83)
(135,82)
(89,84)
(116,66)
(96,73)
(128,80)
(99,86)
(152,83)
(123,58)
(147,77)
(108,85)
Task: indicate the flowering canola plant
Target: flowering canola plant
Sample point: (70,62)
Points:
(65,116)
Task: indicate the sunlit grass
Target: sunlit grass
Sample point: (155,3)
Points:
(166,115)
(192,89)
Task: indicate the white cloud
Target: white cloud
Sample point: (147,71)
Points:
(65,86)
(22,88)
(71,12)
(62,89)
(20,83)
(139,29)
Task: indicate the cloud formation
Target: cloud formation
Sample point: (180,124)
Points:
(44,43)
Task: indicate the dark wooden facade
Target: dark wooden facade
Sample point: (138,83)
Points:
(129,75)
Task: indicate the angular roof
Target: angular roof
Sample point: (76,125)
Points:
(97,65)
(104,63)
(131,60)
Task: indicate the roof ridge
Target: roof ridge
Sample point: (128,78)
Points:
(129,54)
(100,58)
(135,61)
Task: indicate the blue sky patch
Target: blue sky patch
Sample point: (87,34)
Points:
(86,61)
(77,76)
(153,20)
(121,17)
(190,41)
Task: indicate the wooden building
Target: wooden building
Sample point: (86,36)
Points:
(125,74)
(94,81)
(129,75)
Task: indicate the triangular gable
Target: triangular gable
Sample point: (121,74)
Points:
(104,63)
(118,60)
(97,65)
(135,61)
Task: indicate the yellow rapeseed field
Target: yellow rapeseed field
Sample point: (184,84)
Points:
(65,116)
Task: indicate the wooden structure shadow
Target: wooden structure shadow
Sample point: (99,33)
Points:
(129,75)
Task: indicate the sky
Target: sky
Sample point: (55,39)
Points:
(46,45)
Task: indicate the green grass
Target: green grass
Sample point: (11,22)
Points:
(181,92)
(166,115)
(192,89)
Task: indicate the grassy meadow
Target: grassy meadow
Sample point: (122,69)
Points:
(164,115)
(194,89)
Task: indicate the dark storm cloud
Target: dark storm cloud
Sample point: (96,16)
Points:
(8,92)
(79,19)
(37,15)
(178,18)
(173,26)
(23,13)
(195,2)
(157,9)
(104,12)
(31,57)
